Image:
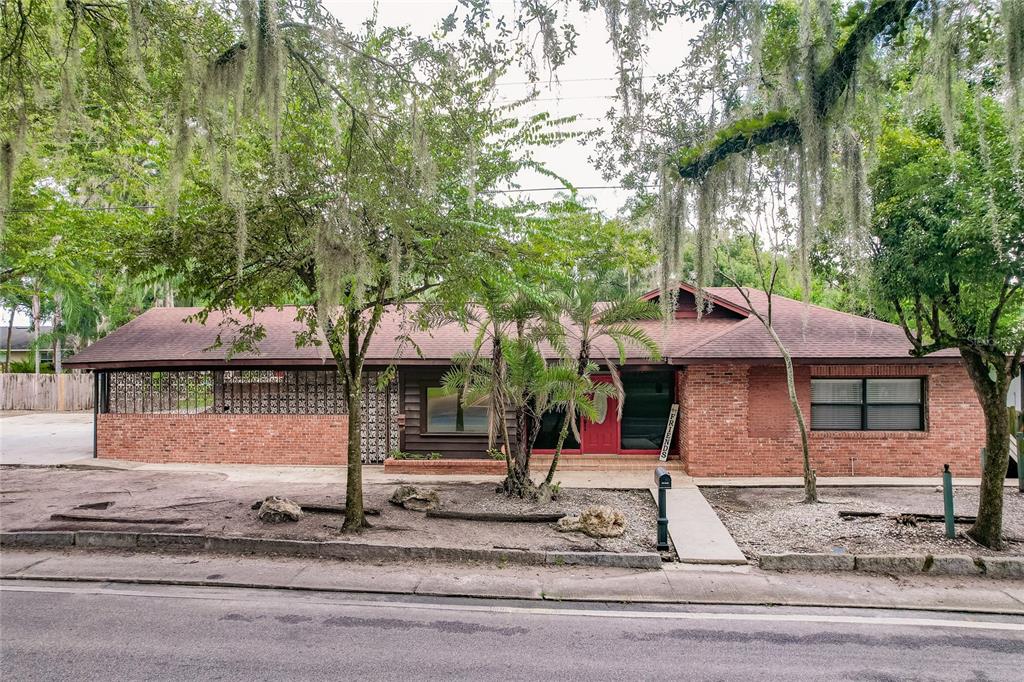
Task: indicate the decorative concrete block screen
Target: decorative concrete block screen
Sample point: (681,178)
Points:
(379,429)
(223,392)
(253,392)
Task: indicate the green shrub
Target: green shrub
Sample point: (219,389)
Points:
(398,454)
(495,453)
(29,366)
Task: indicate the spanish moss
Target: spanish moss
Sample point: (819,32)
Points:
(670,225)
(11,151)
(704,258)
(1013,29)
(136,25)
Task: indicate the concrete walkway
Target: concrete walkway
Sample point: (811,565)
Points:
(45,438)
(374,473)
(851,481)
(679,584)
(697,533)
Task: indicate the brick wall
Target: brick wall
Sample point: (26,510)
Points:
(738,422)
(282,439)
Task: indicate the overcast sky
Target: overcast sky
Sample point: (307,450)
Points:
(586,83)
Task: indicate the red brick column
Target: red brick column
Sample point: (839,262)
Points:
(283,439)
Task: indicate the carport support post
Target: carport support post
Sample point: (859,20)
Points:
(95,408)
(947,501)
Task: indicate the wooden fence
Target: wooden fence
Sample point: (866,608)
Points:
(46,392)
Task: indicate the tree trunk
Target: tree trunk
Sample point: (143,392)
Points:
(517,481)
(988,529)
(810,477)
(562,435)
(58,314)
(35,328)
(10,331)
(354,515)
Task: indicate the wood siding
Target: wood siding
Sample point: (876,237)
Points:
(413,383)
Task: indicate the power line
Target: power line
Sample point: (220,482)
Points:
(557,99)
(561,188)
(569,80)
(520,190)
(81,208)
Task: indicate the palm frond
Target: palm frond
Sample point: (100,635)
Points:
(636,336)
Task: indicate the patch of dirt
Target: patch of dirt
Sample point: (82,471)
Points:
(215,505)
(775,520)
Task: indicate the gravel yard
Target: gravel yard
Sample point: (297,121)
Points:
(774,520)
(213,505)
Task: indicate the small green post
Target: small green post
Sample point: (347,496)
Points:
(947,500)
(982,456)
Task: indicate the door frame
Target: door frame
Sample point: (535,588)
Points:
(618,450)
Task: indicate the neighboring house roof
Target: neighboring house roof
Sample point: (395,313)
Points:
(161,337)
(21,337)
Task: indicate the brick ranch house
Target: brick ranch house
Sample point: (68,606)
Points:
(165,395)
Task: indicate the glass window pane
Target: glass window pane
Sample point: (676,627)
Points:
(894,417)
(846,391)
(835,417)
(550,427)
(444,415)
(649,398)
(894,390)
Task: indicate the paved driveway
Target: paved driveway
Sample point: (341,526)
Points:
(45,437)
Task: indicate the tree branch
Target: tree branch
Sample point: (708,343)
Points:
(784,130)
(828,87)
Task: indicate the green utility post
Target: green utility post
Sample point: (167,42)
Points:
(664,481)
(947,500)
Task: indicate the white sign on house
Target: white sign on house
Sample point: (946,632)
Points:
(669,428)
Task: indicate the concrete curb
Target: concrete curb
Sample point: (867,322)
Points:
(542,597)
(1009,568)
(337,549)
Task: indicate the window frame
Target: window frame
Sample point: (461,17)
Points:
(864,405)
(425,417)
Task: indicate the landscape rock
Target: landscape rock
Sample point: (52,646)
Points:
(277,509)
(597,522)
(415,499)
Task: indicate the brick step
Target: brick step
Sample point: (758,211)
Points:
(539,462)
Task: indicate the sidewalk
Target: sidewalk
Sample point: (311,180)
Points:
(838,481)
(570,479)
(738,585)
(622,480)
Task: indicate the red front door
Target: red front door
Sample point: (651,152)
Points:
(601,437)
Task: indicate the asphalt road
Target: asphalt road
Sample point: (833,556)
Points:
(45,437)
(65,631)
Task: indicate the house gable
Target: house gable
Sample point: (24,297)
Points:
(686,305)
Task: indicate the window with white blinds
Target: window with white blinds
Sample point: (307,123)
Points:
(867,404)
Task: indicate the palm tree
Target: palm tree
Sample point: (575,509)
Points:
(591,313)
(563,387)
(509,317)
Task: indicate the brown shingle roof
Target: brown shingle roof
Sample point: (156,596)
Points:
(808,331)
(161,337)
